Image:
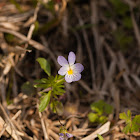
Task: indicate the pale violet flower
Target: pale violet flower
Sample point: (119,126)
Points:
(71,71)
(64,135)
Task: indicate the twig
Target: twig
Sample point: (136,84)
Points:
(25,39)
(16,18)
(49,51)
(136,29)
(97,39)
(122,65)
(46,137)
(88,49)
(103,129)
(116,96)
(109,76)
(12,131)
(136,79)
(33,26)
(85,86)
(5,125)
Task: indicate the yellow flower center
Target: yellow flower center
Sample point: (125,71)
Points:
(70,72)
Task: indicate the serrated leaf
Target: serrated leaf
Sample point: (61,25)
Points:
(127,128)
(123,116)
(92,117)
(129,114)
(44,65)
(135,124)
(137,119)
(44,101)
(100,137)
(132,125)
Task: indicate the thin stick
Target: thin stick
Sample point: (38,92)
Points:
(88,49)
(103,129)
(46,137)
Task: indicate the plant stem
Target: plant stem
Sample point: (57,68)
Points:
(57,114)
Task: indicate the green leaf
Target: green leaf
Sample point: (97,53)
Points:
(92,117)
(98,107)
(44,65)
(127,128)
(137,119)
(123,116)
(135,127)
(59,79)
(59,90)
(100,137)
(42,85)
(129,114)
(132,125)
(27,88)
(126,117)
(57,106)
(108,109)
(135,124)
(44,101)
(102,119)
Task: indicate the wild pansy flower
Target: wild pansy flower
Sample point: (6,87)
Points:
(64,135)
(69,69)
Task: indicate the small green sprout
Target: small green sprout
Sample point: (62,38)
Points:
(101,111)
(132,125)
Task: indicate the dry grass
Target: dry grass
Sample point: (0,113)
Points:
(112,68)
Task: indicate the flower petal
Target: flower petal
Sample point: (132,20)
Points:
(71,58)
(68,78)
(61,134)
(62,61)
(63,70)
(76,77)
(61,138)
(69,135)
(77,68)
